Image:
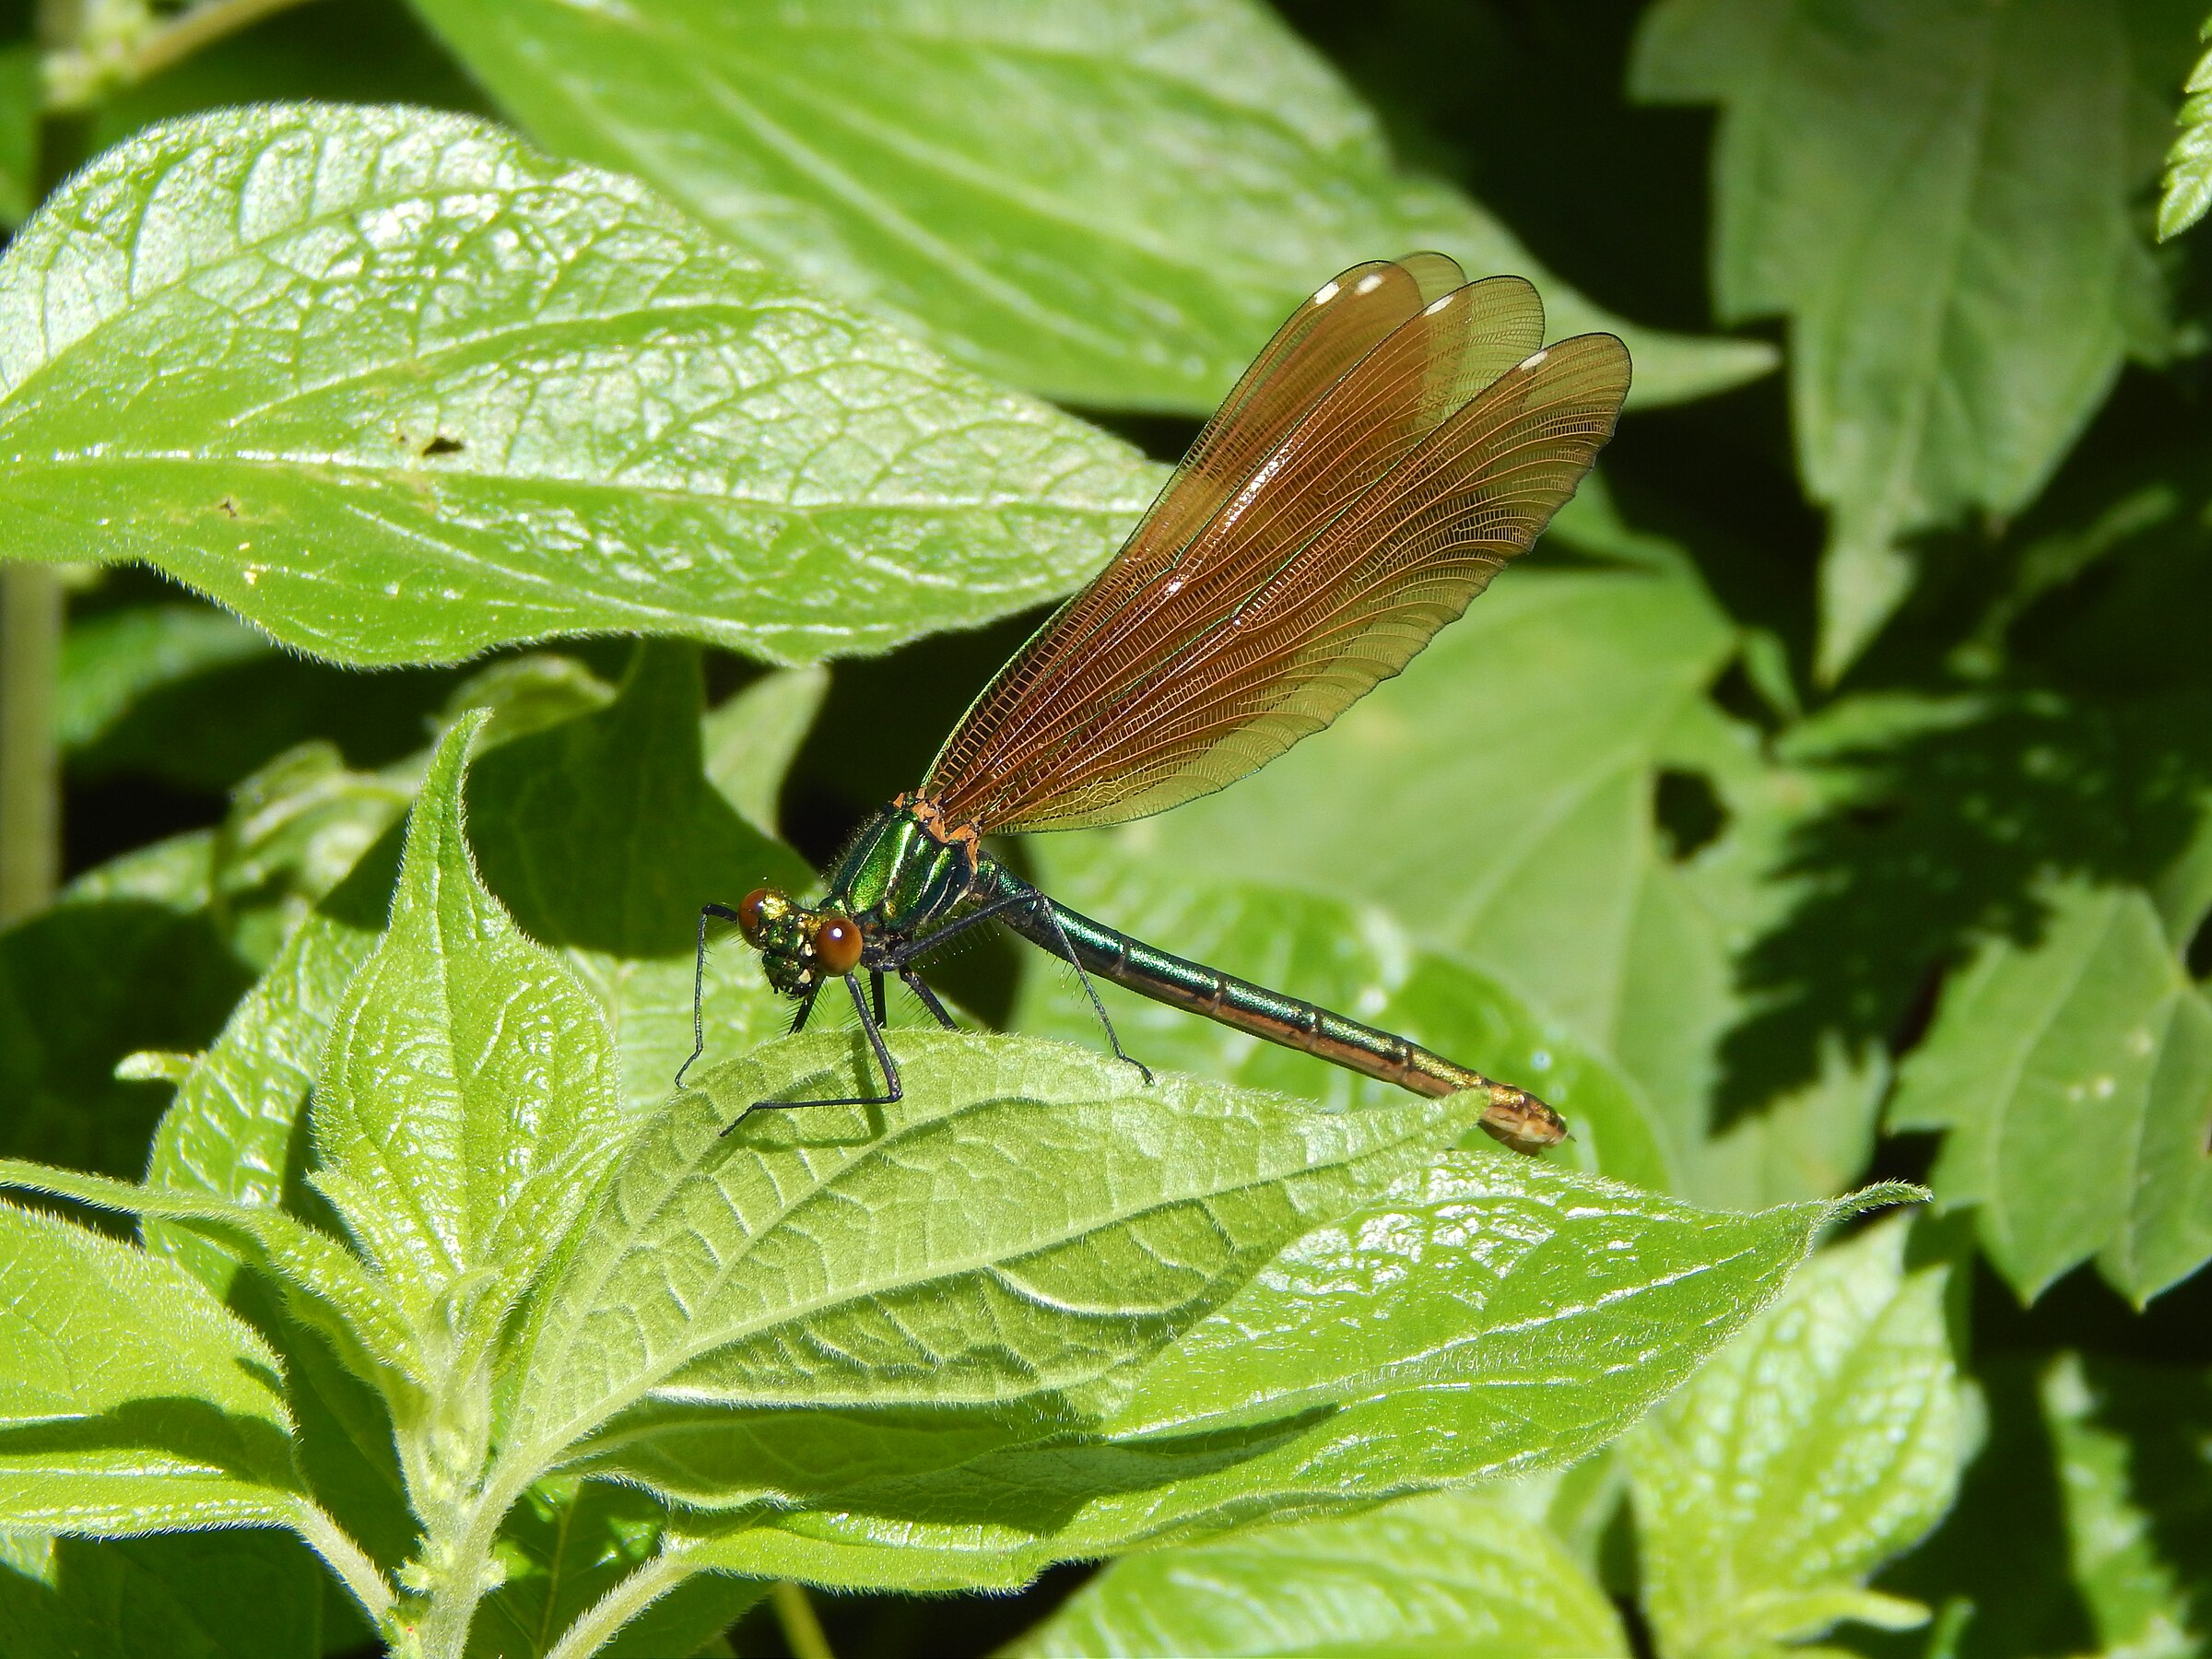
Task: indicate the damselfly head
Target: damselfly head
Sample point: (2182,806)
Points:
(799,948)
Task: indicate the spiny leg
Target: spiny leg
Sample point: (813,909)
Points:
(876,991)
(895,1090)
(1043,907)
(929,998)
(706,912)
(798,1020)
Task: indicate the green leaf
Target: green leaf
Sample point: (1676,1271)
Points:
(131,1400)
(2134,1445)
(2186,191)
(178,1597)
(1110,205)
(19,130)
(2074,1076)
(752,738)
(1351,959)
(1489,1315)
(604,837)
(813,1259)
(1497,800)
(570,1542)
(468,1097)
(1452,1573)
(1937,195)
(112,658)
(395,388)
(84,985)
(1825,1439)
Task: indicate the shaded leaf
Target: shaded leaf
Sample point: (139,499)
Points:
(179,1596)
(130,1400)
(1110,205)
(112,658)
(19,129)
(1450,1573)
(397,388)
(1937,197)
(1825,1439)
(2075,1078)
(751,739)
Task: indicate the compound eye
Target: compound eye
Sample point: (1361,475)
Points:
(837,944)
(749,914)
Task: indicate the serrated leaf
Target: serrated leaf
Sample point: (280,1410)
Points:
(131,1400)
(469,1094)
(604,837)
(2186,190)
(1348,957)
(1937,197)
(1824,1440)
(2074,1076)
(1030,1219)
(1110,205)
(1487,1315)
(751,739)
(395,388)
(1452,1573)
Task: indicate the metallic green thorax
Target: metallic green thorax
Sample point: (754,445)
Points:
(909,872)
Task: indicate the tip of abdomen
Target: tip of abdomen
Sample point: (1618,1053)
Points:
(1521,1120)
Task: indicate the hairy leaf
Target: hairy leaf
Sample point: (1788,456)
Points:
(397,388)
(1452,1573)
(1825,1439)
(1489,1315)
(1113,205)
(1936,193)
(131,1400)
(468,1095)
(2075,1078)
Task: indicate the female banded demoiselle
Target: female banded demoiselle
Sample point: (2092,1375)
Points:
(1403,434)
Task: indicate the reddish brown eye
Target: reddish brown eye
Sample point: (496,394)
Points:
(837,944)
(749,914)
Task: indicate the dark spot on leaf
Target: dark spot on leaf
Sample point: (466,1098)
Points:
(227,506)
(443,445)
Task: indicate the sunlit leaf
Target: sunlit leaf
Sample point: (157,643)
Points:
(395,387)
(2186,190)
(1824,1440)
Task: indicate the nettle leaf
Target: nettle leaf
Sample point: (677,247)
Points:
(2186,191)
(469,1093)
(1141,191)
(1489,1315)
(1827,1438)
(1348,957)
(395,387)
(1030,1219)
(2075,1078)
(1938,197)
(604,837)
(1454,1572)
(751,739)
(131,1400)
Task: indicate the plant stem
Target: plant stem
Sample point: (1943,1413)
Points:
(629,1598)
(31,645)
(81,70)
(202,26)
(802,1630)
(346,1559)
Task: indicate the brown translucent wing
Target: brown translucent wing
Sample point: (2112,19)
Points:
(1377,516)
